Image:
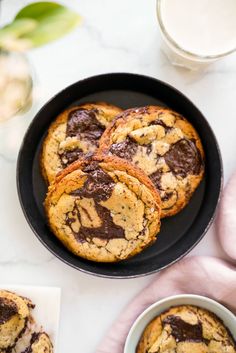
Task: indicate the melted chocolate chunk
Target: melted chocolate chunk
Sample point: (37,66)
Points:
(161,123)
(183,158)
(7,310)
(108,229)
(82,123)
(183,331)
(125,149)
(156,179)
(99,186)
(69,156)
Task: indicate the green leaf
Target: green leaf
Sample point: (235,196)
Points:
(39,10)
(39,23)
(60,22)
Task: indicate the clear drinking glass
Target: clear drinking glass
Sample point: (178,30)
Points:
(180,56)
(16,84)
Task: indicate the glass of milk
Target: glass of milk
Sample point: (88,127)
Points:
(197,32)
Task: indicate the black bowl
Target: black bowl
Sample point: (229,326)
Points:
(179,234)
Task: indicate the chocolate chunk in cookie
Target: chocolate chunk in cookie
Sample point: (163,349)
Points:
(183,158)
(74,134)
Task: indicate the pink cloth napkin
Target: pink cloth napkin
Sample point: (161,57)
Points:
(207,276)
(226,220)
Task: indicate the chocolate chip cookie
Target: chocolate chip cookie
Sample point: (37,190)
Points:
(186,329)
(74,133)
(165,146)
(14,316)
(103,209)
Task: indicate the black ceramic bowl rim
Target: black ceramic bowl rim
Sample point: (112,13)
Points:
(107,77)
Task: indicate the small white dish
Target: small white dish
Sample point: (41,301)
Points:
(157,308)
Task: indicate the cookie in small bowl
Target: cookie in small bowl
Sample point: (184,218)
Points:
(186,329)
(103,209)
(74,133)
(184,323)
(165,146)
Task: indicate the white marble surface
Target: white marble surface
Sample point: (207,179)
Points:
(115,36)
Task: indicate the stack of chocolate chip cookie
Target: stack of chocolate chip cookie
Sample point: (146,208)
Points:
(18,331)
(114,174)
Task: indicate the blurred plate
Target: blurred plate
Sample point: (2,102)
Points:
(179,234)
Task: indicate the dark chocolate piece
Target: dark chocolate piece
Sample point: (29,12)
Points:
(161,123)
(183,331)
(7,310)
(99,186)
(125,149)
(69,156)
(183,158)
(83,123)
(156,179)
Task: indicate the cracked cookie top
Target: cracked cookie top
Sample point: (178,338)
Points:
(186,329)
(73,134)
(103,209)
(14,316)
(165,146)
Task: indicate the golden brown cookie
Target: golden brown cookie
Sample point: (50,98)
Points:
(14,316)
(186,329)
(40,343)
(103,209)
(74,133)
(165,146)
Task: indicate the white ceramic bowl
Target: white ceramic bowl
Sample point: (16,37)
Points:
(154,310)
